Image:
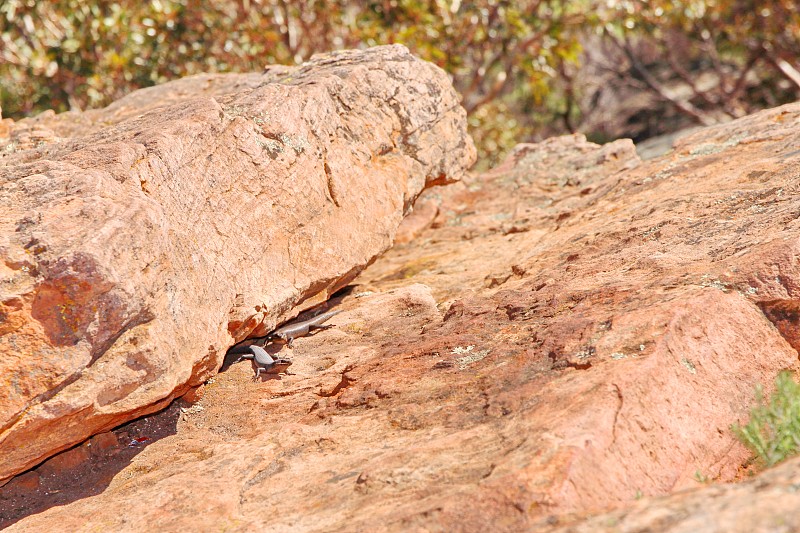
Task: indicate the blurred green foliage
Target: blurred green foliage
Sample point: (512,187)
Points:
(773,431)
(514,62)
(747,50)
(65,54)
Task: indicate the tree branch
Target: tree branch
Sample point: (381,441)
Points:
(786,68)
(655,86)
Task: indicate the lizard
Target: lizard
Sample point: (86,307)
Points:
(290,332)
(264,361)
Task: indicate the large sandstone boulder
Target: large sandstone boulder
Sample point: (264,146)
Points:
(140,241)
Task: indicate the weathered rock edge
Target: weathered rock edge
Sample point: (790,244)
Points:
(767,502)
(135,255)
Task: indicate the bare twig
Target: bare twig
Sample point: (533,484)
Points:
(740,84)
(686,76)
(687,108)
(786,68)
(713,53)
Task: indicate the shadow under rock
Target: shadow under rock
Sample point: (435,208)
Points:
(84,470)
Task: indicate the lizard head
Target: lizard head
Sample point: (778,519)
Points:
(278,338)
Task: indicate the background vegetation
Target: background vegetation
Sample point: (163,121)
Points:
(773,431)
(526,69)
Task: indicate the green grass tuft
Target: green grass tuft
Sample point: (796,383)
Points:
(773,432)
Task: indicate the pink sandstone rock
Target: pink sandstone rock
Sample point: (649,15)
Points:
(766,503)
(140,241)
(573,331)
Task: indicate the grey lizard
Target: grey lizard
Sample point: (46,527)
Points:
(264,361)
(290,332)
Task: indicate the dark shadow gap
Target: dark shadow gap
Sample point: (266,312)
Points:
(86,469)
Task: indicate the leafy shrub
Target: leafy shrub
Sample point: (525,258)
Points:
(773,432)
(77,54)
(517,63)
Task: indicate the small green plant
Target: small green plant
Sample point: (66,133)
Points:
(773,432)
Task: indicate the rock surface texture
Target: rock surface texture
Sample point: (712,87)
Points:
(138,242)
(564,335)
(765,504)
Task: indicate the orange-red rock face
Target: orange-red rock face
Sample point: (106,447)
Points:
(572,331)
(140,241)
(620,313)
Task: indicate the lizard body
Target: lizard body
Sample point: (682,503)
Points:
(290,332)
(264,361)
